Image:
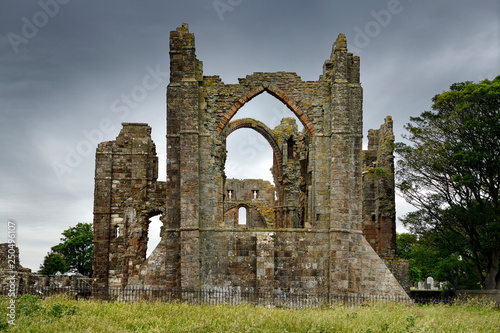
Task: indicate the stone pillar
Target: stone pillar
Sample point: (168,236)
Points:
(183,159)
(102,214)
(345,174)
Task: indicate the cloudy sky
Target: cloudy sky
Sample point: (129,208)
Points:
(66,66)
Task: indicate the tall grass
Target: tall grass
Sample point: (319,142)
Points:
(60,314)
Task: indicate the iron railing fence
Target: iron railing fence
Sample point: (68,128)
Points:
(217,297)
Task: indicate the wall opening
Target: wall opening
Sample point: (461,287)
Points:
(246,145)
(154,238)
(291,148)
(249,156)
(242,216)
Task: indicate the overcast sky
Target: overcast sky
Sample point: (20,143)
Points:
(66,65)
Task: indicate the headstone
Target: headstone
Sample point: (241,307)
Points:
(430,282)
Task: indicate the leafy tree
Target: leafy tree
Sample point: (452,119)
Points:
(450,172)
(426,259)
(406,249)
(54,263)
(76,248)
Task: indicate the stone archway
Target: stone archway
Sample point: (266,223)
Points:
(262,129)
(273,91)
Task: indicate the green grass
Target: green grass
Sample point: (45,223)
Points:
(60,314)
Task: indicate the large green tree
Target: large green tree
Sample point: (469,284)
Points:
(54,263)
(449,171)
(76,249)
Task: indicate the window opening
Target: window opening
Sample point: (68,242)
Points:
(154,230)
(242,216)
(255,194)
(249,153)
(249,156)
(290,148)
(230,194)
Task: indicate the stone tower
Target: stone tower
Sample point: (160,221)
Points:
(304,234)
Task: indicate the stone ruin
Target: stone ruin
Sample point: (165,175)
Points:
(13,276)
(323,226)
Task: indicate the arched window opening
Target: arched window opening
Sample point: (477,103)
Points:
(117,231)
(252,151)
(242,216)
(249,156)
(154,238)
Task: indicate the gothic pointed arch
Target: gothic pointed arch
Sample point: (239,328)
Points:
(262,129)
(273,91)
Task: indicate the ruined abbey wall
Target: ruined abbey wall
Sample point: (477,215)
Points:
(302,235)
(379,214)
(126,195)
(256,196)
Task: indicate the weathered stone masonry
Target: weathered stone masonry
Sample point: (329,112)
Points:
(303,235)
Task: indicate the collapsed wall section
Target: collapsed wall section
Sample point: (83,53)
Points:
(379,207)
(126,194)
(255,196)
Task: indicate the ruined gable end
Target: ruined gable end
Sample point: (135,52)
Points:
(302,233)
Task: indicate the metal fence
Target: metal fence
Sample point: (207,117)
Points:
(218,297)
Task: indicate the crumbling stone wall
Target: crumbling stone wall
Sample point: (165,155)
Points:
(23,279)
(316,243)
(8,262)
(379,207)
(126,195)
(256,196)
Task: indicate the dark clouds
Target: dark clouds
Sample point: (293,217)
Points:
(63,83)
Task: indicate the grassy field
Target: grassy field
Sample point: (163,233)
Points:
(59,314)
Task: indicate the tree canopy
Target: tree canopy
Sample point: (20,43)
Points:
(450,172)
(54,263)
(75,249)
